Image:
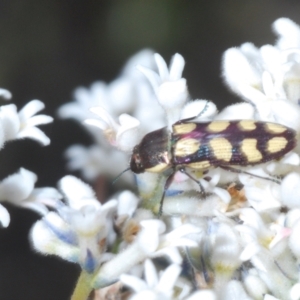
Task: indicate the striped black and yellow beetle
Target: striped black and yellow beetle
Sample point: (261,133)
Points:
(201,146)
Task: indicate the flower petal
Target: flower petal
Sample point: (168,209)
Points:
(10,121)
(199,109)
(77,192)
(150,274)
(163,70)
(237,111)
(168,279)
(44,241)
(176,67)
(36,134)
(17,187)
(39,120)
(4,216)
(133,282)
(152,77)
(6,94)
(290,190)
(30,109)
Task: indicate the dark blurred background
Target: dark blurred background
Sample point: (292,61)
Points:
(48,48)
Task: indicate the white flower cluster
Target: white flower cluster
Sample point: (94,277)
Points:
(130,94)
(240,241)
(81,230)
(18,188)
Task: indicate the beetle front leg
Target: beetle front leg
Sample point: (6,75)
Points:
(166,187)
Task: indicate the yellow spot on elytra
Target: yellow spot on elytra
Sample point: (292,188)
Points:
(222,148)
(276,144)
(275,128)
(218,126)
(247,125)
(185,147)
(158,168)
(249,149)
(205,164)
(184,128)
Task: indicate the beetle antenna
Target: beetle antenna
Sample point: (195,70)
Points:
(203,110)
(118,176)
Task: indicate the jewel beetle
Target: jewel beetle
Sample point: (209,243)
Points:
(200,146)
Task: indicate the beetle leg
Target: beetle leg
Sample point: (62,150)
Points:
(196,116)
(202,191)
(230,169)
(166,187)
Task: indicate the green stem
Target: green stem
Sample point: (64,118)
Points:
(83,287)
(151,199)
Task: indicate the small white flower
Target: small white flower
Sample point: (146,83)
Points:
(255,234)
(127,219)
(285,165)
(23,124)
(5,94)
(290,190)
(145,57)
(288,32)
(254,285)
(129,98)
(41,197)
(4,216)
(150,242)
(17,187)
(154,286)
(238,111)
(234,290)
(123,95)
(78,231)
(270,297)
(265,245)
(261,194)
(115,97)
(77,193)
(124,136)
(127,204)
(170,88)
(269,77)
(203,295)
(190,205)
(199,110)
(294,239)
(295,292)
(19,190)
(94,160)
(225,251)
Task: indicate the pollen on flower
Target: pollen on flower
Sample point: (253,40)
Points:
(130,231)
(266,241)
(224,269)
(238,197)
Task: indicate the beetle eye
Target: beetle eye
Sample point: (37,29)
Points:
(136,164)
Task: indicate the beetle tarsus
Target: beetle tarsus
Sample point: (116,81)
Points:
(202,190)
